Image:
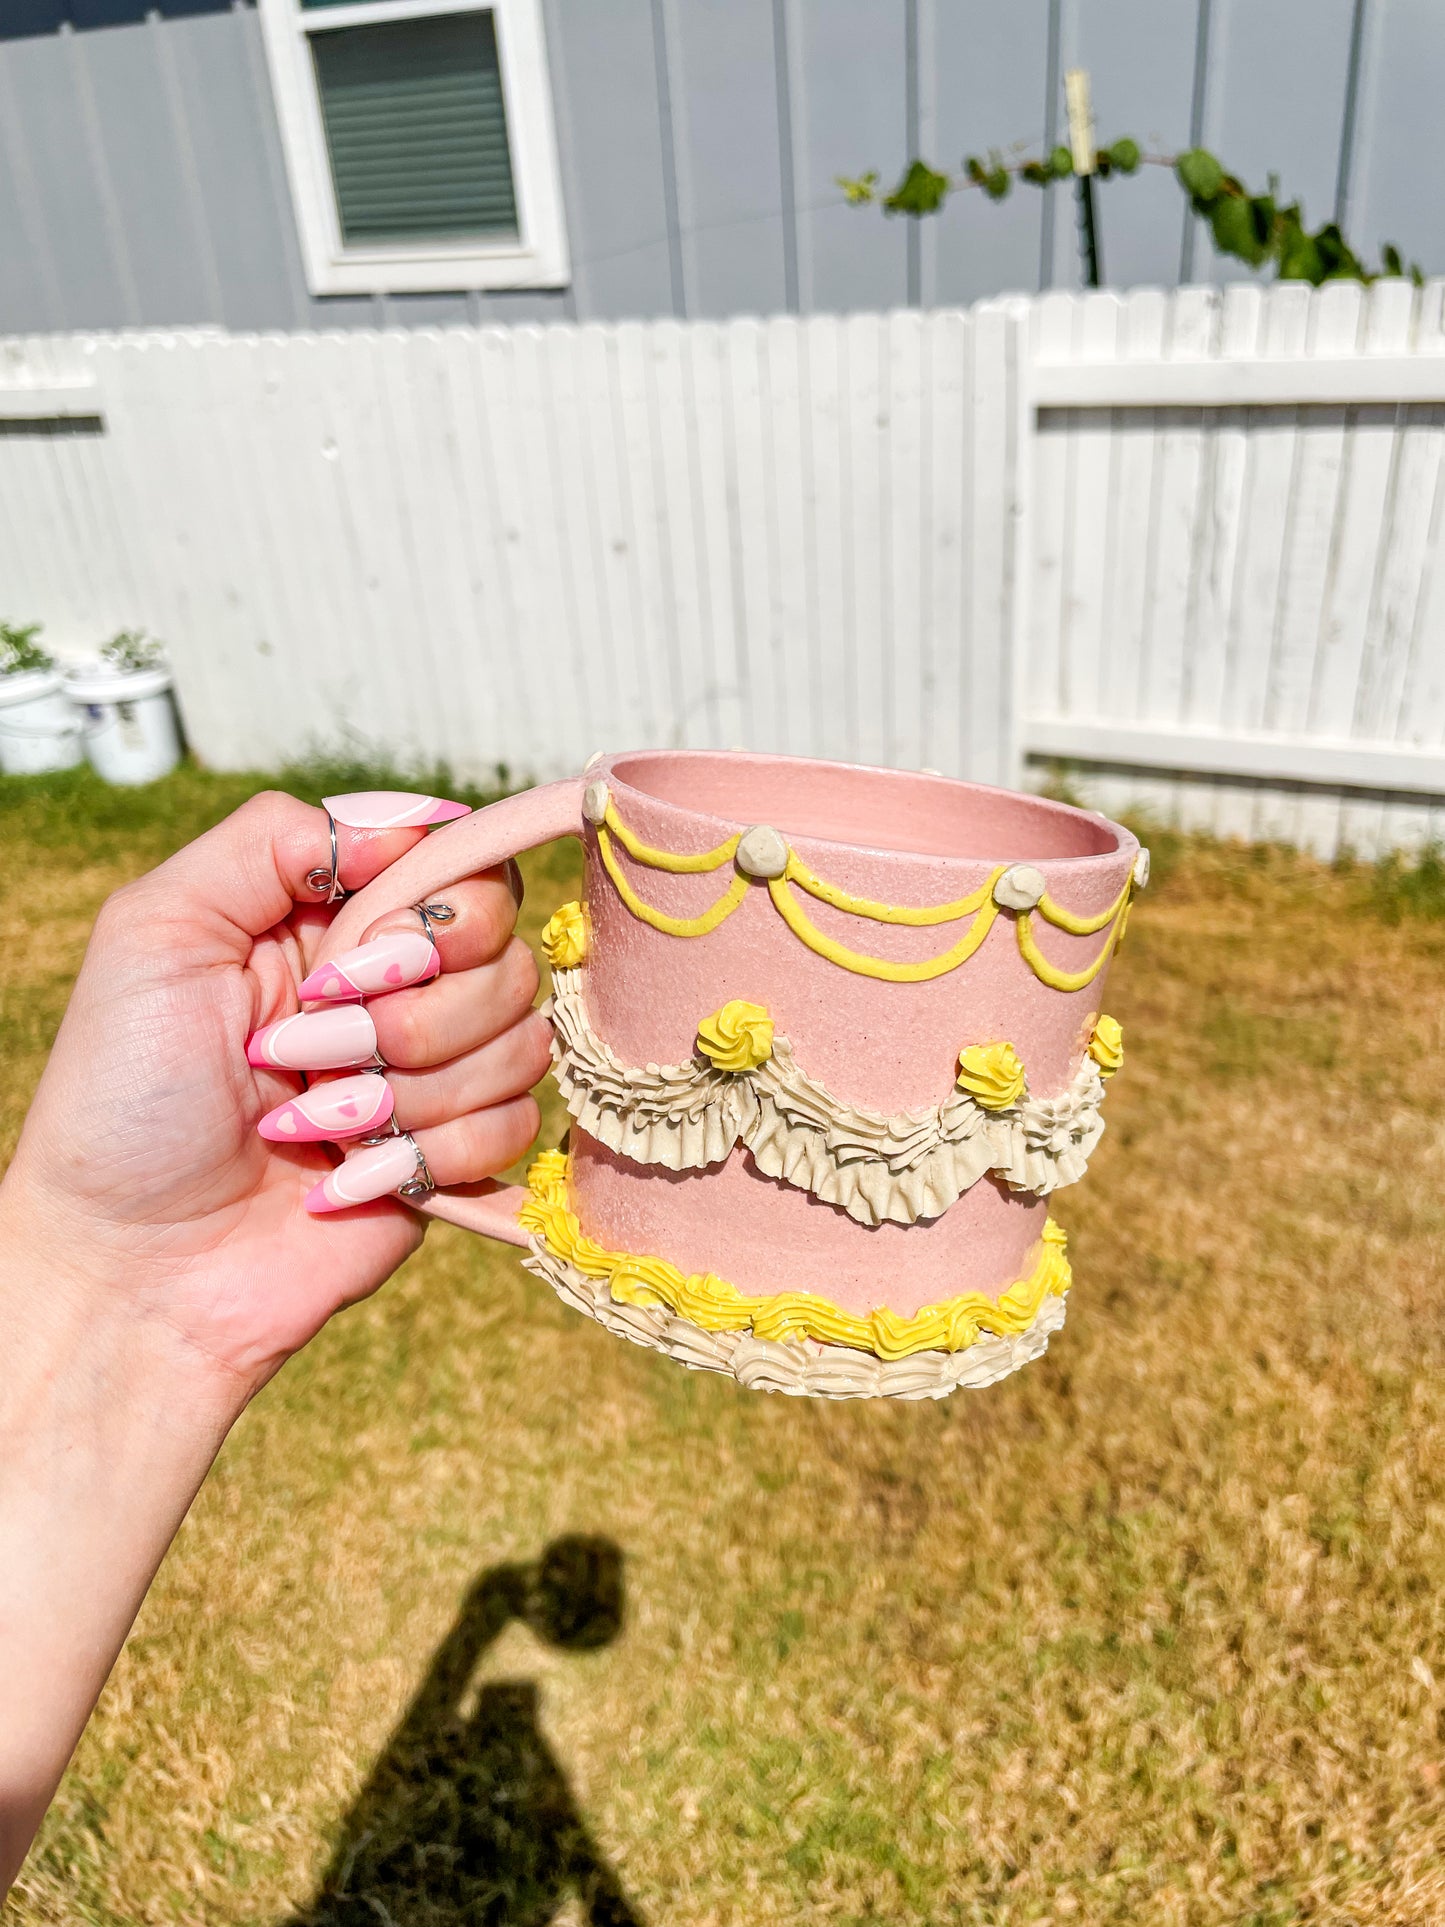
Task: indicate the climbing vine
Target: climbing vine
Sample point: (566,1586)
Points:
(1254,228)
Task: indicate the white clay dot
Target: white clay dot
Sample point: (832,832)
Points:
(595,799)
(1019,888)
(762,852)
(1141,869)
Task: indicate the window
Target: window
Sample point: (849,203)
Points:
(419,143)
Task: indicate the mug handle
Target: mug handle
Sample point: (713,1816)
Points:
(447,856)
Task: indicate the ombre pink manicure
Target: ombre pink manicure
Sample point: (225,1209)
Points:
(365,1175)
(348,1108)
(392,810)
(317,1040)
(386,963)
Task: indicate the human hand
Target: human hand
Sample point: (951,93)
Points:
(141,1173)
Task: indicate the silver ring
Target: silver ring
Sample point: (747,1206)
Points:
(423,1184)
(431,913)
(328,880)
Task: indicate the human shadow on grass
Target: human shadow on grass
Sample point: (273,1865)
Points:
(467,1819)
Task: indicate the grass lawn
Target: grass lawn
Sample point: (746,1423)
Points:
(1154,1631)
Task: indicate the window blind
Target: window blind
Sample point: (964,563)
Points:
(416,129)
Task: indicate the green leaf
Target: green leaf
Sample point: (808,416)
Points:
(1036,173)
(1124,154)
(1337,257)
(1232,219)
(1200,175)
(997,183)
(1103,164)
(1390,257)
(858,189)
(1234,230)
(923,190)
(1299,257)
(974,168)
(1061,163)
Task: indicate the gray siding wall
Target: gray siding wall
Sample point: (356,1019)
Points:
(141,179)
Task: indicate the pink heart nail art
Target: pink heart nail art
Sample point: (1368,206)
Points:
(348,1107)
(388,962)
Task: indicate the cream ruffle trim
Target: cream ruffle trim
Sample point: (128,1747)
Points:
(802,1367)
(912,1165)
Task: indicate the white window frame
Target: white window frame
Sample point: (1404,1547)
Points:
(537,258)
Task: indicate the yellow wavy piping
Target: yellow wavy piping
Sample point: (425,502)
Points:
(1077,926)
(698,926)
(1050,974)
(717,1306)
(793,914)
(805,879)
(641,852)
(979,903)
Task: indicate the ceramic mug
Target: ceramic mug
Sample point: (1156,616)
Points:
(830,1037)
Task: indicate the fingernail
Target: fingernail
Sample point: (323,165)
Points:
(317,1040)
(386,963)
(365,1175)
(391,810)
(346,1108)
(514,881)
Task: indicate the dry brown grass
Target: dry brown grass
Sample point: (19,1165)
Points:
(1151,1632)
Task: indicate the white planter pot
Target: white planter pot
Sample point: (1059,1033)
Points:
(129,721)
(39,725)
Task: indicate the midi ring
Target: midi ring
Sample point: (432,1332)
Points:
(431,913)
(325,879)
(423,1184)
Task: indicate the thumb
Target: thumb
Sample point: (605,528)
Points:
(255,866)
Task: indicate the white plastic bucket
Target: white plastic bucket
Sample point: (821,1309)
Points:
(39,725)
(129,721)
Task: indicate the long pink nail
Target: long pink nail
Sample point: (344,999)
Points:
(317,1040)
(347,1108)
(365,1175)
(386,963)
(391,810)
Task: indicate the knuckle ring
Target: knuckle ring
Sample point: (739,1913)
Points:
(327,879)
(433,913)
(421,1184)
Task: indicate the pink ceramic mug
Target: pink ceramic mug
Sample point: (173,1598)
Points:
(829,1036)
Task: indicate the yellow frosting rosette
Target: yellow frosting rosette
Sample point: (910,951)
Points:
(991,1074)
(564,941)
(736,1038)
(1106,1045)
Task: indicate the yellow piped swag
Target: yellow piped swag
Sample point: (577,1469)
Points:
(717,1306)
(979,906)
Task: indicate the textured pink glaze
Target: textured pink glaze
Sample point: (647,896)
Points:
(890,836)
(764,1236)
(364,1175)
(388,962)
(348,1107)
(315,1040)
(392,810)
(922,840)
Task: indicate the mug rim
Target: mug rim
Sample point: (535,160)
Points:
(612,766)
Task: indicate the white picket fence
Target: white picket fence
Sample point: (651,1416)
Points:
(1189,543)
